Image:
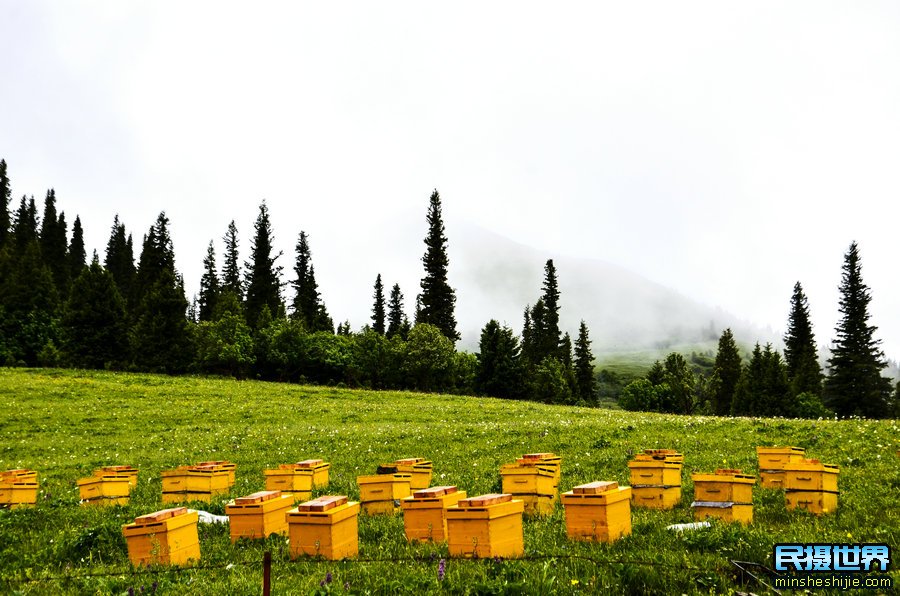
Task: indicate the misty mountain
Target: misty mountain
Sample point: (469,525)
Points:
(496,278)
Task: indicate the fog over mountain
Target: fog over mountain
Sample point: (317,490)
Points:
(497,277)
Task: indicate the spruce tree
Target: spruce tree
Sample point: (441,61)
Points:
(378,307)
(231,269)
(498,372)
(854,384)
(25,227)
(565,350)
(308,305)
(94,329)
(550,334)
(395,311)
(120,259)
(76,257)
(437,298)
(53,243)
(5,197)
(584,365)
(263,276)
(804,372)
(209,286)
(728,366)
(157,257)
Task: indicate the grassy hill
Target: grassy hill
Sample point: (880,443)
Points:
(66,423)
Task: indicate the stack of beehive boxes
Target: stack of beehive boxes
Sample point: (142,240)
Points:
(486,526)
(599,511)
(656,478)
(772,461)
(18,488)
(811,485)
(298,478)
(726,495)
(109,485)
(533,479)
(167,537)
(419,469)
(324,527)
(198,482)
(425,512)
(259,515)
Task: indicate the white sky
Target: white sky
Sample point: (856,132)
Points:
(722,150)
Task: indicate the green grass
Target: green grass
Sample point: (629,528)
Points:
(66,423)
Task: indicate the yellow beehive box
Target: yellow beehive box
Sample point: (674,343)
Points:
(259,515)
(810,474)
(18,475)
(599,511)
(167,537)
(771,478)
(538,505)
(528,479)
(669,455)
(544,459)
(649,471)
(193,479)
(774,458)
(188,497)
(656,497)
(325,527)
(383,487)
(18,493)
(289,479)
(724,510)
(818,502)
(419,468)
(109,489)
(425,512)
(486,526)
(725,485)
(219,464)
(126,471)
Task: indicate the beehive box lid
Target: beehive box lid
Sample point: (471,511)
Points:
(158,516)
(538,455)
(594,488)
(118,468)
(780,450)
(387,469)
(434,491)
(406,461)
(728,472)
(258,497)
(485,500)
(309,463)
(323,503)
(215,462)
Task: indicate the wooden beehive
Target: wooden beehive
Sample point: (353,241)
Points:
(380,494)
(655,497)
(126,471)
(324,527)
(529,479)
(259,515)
(669,455)
(813,501)
(598,511)
(419,469)
(425,512)
(486,526)
(651,471)
(195,483)
(772,461)
(167,537)
(104,489)
(18,488)
(724,486)
(544,459)
(219,464)
(811,474)
(724,510)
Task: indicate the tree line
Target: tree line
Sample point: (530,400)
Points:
(129,311)
(792,385)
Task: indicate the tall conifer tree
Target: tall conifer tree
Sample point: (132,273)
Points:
(76,257)
(209,286)
(263,276)
(499,371)
(800,355)
(308,305)
(550,334)
(120,259)
(395,311)
(5,197)
(25,226)
(94,329)
(231,268)
(53,243)
(438,299)
(728,366)
(854,384)
(584,365)
(378,307)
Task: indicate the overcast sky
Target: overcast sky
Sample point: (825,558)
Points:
(723,151)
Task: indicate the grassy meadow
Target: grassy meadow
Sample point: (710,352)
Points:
(64,424)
